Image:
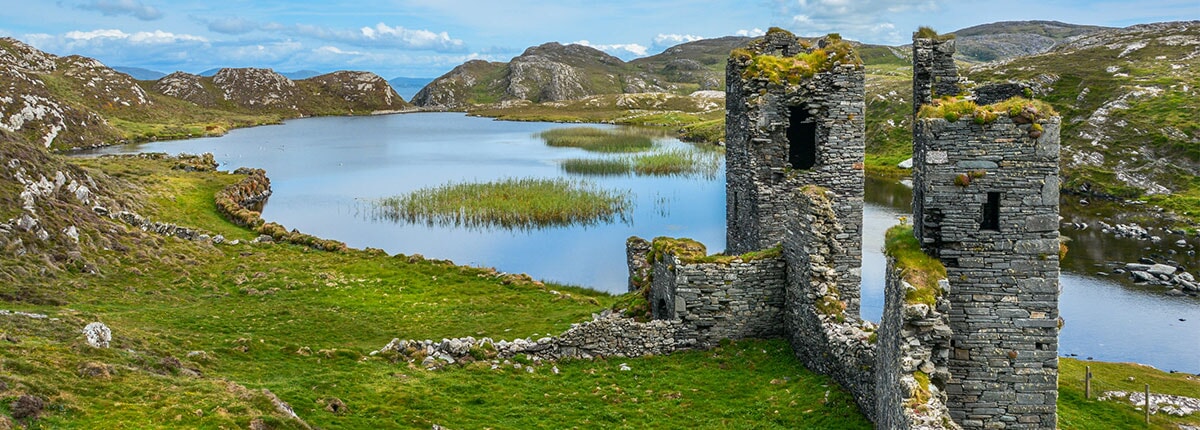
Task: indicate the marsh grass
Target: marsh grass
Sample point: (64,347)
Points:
(597,140)
(677,162)
(596,166)
(521,204)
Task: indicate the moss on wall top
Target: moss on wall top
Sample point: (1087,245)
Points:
(917,268)
(833,50)
(1020,109)
(925,32)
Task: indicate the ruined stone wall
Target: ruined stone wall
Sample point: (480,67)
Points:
(1004,303)
(934,72)
(823,334)
(911,368)
(719,300)
(760,179)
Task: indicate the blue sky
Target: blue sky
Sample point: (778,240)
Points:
(426,38)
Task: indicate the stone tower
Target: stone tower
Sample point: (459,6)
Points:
(790,124)
(934,72)
(985,203)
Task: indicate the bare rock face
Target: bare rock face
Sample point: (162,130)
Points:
(361,90)
(185,86)
(554,72)
(16,54)
(251,87)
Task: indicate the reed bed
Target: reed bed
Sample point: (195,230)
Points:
(597,140)
(521,204)
(597,166)
(677,162)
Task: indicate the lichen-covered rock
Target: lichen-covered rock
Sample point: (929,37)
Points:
(98,335)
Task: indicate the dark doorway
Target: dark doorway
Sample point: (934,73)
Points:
(991,213)
(802,138)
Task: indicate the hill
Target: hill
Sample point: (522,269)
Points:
(1009,39)
(1128,99)
(77,102)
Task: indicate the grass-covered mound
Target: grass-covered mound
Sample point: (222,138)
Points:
(510,203)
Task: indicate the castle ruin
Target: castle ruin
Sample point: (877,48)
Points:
(978,352)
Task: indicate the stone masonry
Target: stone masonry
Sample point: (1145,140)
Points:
(983,353)
(760,176)
(988,209)
(934,72)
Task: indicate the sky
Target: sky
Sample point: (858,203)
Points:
(427,38)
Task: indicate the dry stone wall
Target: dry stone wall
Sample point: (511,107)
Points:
(719,300)
(911,370)
(934,72)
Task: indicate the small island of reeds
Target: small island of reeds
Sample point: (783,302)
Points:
(520,204)
(597,140)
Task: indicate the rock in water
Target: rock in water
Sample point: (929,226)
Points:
(98,335)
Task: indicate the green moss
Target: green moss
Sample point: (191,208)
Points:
(682,248)
(917,268)
(1020,109)
(792,70)
(920,394)
(926,32)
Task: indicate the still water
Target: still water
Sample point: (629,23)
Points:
(326,171)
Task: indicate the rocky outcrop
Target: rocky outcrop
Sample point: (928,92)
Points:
(359,91)
(100,86)
(29,108)
(251,87)
(453,90)
(185,86)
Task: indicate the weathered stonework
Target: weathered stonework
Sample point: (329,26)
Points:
(985,203)
(934,72)
(719,300)
(912,370)
(762,116)
(982,353)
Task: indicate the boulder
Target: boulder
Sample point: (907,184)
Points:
(98,335)
(1162,270)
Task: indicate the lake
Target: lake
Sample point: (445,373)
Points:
(325,173)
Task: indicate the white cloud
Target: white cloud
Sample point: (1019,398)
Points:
(623,51)
(864,19)
(336,51)
(156,37)
(232,25)
(668,40)
(754,32)
(381,35)
(134,8)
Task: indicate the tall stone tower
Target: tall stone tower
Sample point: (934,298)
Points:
(985,203)
(795,118)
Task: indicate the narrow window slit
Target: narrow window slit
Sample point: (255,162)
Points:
(991,212)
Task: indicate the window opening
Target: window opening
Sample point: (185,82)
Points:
(802,138)
(991,212)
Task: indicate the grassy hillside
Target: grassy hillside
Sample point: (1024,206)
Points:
(199,330)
